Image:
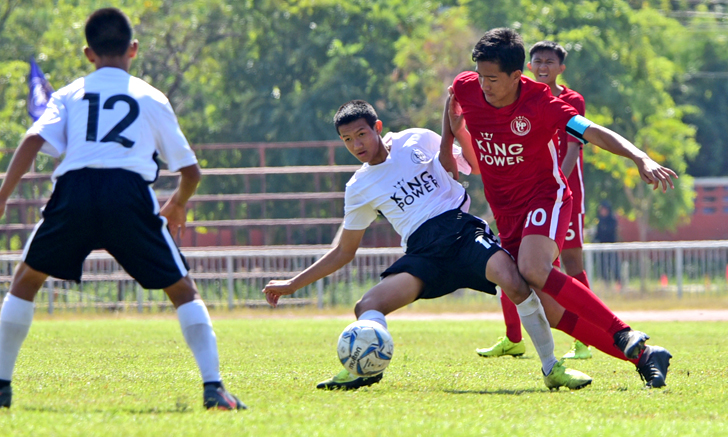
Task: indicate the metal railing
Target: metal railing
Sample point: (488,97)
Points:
(234,278)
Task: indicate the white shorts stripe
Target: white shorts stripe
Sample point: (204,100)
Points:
(154,199)
(167,236)
(173,247)
(553,226)
(30,239)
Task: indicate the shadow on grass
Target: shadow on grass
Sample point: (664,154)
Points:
(153,410)
(495,392)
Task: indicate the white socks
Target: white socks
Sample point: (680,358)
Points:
(535,323)
(374,316)
(15,319)
(197,330)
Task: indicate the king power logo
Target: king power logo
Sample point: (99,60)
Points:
(407,192)
(498,154)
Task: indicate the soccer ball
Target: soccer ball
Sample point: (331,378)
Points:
(365,348)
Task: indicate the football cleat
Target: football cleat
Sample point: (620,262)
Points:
(579,351)
(653,365)
(220,399)
(346,381)
(560,376)
(6,396)
(631,342)
(503,347)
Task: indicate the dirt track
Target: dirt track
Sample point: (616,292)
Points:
(627,316)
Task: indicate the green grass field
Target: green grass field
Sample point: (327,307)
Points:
(136,377)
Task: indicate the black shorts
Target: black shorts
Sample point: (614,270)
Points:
(449,252)
(110,209)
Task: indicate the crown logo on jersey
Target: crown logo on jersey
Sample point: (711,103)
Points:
(418,156)
(486,136)
(520,126)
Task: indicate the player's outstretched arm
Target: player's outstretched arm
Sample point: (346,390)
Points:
(19,165)
(334,259)
(175,208)
(650,171)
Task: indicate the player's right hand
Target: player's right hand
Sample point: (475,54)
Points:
(277,288)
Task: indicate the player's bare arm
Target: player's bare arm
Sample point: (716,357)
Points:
(175,208)
(650,171)
(572,155)
(334,259)
(19,165)
(453,127)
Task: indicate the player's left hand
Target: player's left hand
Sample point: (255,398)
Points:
(656,174)
(176,217)
(454,112)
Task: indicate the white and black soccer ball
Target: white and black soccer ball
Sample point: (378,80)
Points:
(365,348)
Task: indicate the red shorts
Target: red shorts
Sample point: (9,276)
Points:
(575,235)
(545,216)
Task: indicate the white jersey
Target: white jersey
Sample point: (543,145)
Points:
(408,188)
(110,119)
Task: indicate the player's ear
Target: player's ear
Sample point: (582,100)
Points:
(562,67)
(516,75)
(378,125)
(530,68)
(133,49)
(90,54)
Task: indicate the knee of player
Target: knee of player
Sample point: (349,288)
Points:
(535,273)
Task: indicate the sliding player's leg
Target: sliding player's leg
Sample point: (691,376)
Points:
(511,344)
(393,292)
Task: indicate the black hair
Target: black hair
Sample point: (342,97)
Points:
(108,32)
(549,46)
(502,46)
(354,110)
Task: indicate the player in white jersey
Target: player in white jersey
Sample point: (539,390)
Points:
(110,126)
(446,248)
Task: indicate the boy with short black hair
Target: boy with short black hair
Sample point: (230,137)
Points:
(511,121)
(446,248)
(546,64)
(110,126)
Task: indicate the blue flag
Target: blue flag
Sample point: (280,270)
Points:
(40,91)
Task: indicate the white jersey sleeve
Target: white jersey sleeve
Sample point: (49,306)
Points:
(52,127)
(171,143)
(358,213)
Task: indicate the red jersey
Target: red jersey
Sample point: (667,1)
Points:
(576,178)
(515,145)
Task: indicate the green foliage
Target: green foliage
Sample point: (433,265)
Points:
(276,70)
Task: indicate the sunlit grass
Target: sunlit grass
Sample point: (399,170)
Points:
(135,376)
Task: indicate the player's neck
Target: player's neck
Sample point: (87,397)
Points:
(113,62)
(556,89)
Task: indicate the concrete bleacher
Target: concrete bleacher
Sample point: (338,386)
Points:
(315,218)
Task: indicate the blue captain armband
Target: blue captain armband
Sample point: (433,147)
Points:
(577,126)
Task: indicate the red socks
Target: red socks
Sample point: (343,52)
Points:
(589,334)
(581,277)
(575,297)
(513,322)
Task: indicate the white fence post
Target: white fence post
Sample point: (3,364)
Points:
(230,281)
(679,270)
